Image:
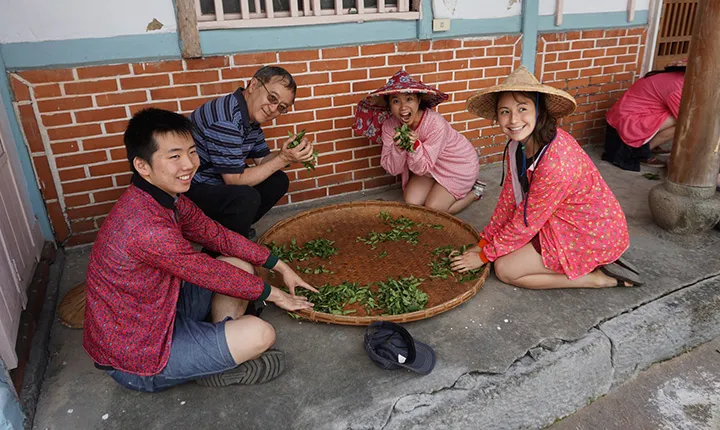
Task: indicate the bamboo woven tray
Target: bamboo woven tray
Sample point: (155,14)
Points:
(357,262)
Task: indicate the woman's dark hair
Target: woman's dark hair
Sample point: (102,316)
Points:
(423,102)
(546,124)
(266,74)
(667,69)
(145,125)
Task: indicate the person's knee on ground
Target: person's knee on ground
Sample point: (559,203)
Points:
(248,337)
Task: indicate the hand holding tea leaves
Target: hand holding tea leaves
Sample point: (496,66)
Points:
(405,138)
(291,279)
(306,153)
(467,261)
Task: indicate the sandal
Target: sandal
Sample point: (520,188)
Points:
(653,162)
(258,371)
(478,189)
(622,275)
(626,264)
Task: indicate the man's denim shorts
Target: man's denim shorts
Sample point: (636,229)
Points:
(198,348)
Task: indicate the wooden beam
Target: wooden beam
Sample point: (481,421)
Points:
(558,12)
(188,29)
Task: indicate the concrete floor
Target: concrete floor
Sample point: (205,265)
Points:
(330,382)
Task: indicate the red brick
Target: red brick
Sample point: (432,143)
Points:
(379,182)
(350,99)
(308,195)
(195,77)
(383,48)
(352,165)
(71,174)
(86,185)
(260,58)
(436,56)
(441,76)
(174,92)
(74,131)
(206,63)
(57,119)
(613,69)
(615,33)
(334,112)
(383,72)
(215,88)
(47,91)
(334,179)
(45,76)
(96,115)
(123,98)
(320,90)
(498,71)
(626,59)
(313,103)
(471,53)
(473,43)
(603,61)
(344,122)
(311,54)
(312,79)
(94,210)
(295,117)
(477,84)
(592,34)
(551,67)
(150,81)
(19,89)
(499,51)
(57,218)
(117,126)
(91,87)
(567,74)
(108,195)
(414,46)
(372,151)
(317,66)
(81,238)
(77,200)
(350,75)
(636,31)
(403,59)
(118,154)
(582,44)
(65,147)
(369,173)
(446,44)
(103,71)
(307,184)
(418,69)
(167,105)
(357,63)
(606,42)
(31,129)
(562,56)
(367,85)
(345,188)
(159,67)
(192,104)
(344,52)
(80,159)
(66,103)
(45,177)
(103,142)
(81,225)
(123,180)
(449,87)
(616,51)
(591,53)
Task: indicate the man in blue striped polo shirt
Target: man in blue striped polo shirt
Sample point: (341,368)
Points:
(228,135)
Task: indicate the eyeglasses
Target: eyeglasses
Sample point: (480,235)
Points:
(273,100)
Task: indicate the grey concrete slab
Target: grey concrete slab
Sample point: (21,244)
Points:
(330,383)
(682,394)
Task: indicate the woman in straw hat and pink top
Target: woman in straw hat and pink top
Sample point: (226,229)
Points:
(439,168)
(556,224)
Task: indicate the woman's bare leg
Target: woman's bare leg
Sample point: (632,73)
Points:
(417,189)
(524,268)
(665,133)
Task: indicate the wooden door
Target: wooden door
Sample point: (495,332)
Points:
(20,243)
(675,31)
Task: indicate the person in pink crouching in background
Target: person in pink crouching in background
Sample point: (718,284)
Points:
(439,167)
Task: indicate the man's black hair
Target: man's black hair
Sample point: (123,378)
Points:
(145,125)
(266,74)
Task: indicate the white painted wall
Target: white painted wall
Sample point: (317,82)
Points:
(476,9)
(547,7)
(38,20)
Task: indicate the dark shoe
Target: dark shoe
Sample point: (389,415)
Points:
(255,308)
(251,234)
(622,275)
(653,162)
(626,264)
(258,371)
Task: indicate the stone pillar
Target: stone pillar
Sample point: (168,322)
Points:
(687,202)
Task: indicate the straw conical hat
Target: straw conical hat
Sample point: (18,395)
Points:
(72,307)
(484,102)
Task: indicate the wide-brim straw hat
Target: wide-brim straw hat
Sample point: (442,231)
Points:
(484,102)
(402,82)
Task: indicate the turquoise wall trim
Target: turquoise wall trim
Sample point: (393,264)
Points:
(424,27)
(27,178)
(28,55)
(480,27)
(587,21)
(530,14)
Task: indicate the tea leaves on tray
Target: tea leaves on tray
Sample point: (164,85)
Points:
(320,247)
(400,296)
(440,266)
(332,299)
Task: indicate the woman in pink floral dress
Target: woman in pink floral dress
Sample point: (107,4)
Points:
(439,169)
(556,224)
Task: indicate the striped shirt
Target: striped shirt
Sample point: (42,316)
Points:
(225,138)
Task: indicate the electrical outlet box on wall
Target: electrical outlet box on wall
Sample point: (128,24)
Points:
(441,24)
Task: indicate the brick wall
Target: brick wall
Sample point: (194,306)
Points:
(73,119)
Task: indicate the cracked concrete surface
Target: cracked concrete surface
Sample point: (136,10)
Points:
(507,358)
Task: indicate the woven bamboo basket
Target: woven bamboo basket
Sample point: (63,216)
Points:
(357,262)
(71,310)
